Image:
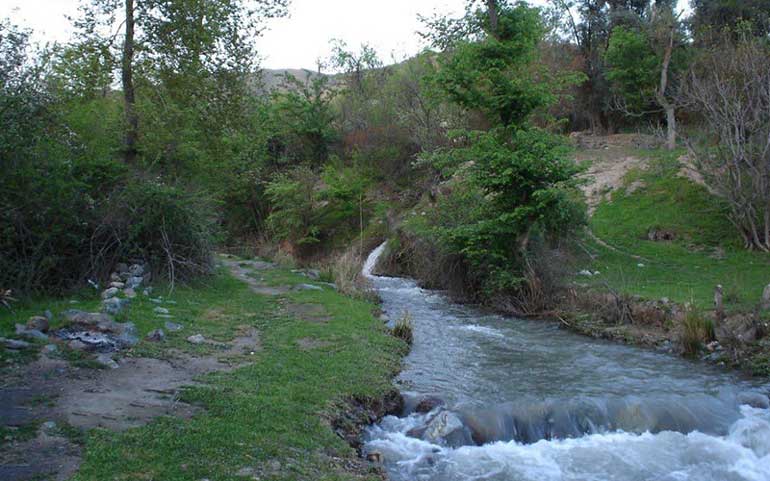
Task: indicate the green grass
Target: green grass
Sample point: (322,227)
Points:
(268,415)
(707,250)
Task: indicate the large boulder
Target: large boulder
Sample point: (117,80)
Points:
(428,404)
(446,428)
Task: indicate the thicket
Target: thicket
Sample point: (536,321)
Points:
(191,150)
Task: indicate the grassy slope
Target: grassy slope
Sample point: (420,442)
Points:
(266,416)
(707,251)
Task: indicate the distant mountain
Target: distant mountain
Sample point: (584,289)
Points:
(273,78)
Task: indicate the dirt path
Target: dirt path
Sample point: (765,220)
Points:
(55,401)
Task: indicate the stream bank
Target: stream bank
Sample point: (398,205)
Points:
(524,399)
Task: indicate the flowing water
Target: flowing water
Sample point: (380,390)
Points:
(525,400)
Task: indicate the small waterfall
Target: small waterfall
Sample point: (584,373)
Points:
(371,261)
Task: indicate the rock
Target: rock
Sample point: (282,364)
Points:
(136,270)
(713,346)
(164,316)
(314,274)
(447,428)
(173,327)
(130,293)
(157,301)
(111,292)
(117,285)
(134,282)
(766,297)
(661,235)
(22,330)
(76,345)
(156,336)
(417,432)
(115,306)
(160,310)
(754,399)
(50,349)
(38,323)
(196,339)
(428,404)
(14,344)
(115,277)
(586,273)
(147,291)
(107,361)
(246,472)
(307,287)
(375,457)
(48,315)
(122,268)
(48,426)
(86,319)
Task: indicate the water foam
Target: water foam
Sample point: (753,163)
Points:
(742,455)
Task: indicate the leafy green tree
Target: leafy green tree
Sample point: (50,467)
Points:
(520,174)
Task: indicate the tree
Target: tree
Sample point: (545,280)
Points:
(710,17)
(729,86)
(129,95)
(516,178)
(641,64)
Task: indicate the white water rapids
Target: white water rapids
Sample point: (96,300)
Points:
(537,403)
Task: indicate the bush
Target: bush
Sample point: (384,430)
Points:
(404,329)
(696,330)
(172,229)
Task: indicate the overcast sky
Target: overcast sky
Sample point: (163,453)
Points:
(293,42)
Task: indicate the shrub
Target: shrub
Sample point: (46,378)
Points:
(696,330)
(172,229)
(404,329)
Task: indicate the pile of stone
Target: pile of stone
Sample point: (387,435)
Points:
(123,286)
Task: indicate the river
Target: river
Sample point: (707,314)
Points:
(526,400)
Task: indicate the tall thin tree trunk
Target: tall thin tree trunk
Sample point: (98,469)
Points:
(493,20)
(129,96)
(661,94)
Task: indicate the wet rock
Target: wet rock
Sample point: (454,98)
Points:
(106,360)
(428,404)
(115,306)
(417,432)
(173,327)
(156,336)
(111,292)
(754,399)
(38,323)
(447,428)
(160,310)
(375,457)
(14,344)
(196,339)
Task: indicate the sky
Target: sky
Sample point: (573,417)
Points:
(297,41)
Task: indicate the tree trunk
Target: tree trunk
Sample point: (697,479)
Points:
(492,9)
(129,96)
(661,94)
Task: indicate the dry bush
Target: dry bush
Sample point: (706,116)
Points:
(729,87)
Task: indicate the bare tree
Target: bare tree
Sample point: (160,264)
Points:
(730,88)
